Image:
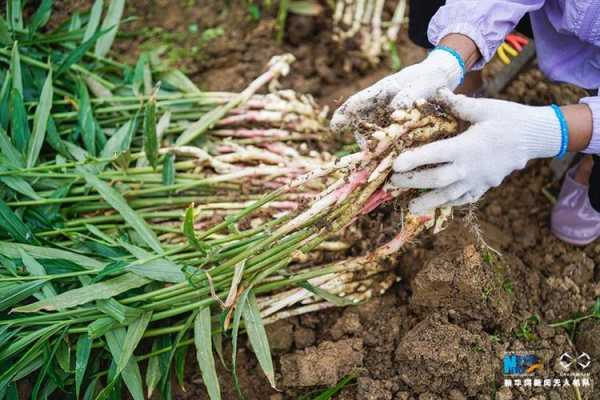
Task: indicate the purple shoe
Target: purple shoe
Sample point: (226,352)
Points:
(573,219)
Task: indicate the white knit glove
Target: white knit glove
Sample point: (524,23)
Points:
(502,138)
(420,81)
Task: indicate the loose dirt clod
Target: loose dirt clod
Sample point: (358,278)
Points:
(436,355)
(463,282)
(322,365)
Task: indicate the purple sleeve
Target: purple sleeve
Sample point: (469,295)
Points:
(486,22)
(594,104)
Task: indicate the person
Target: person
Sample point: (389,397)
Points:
(503,136)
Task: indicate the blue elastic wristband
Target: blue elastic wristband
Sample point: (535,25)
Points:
(458,58)
(564,131)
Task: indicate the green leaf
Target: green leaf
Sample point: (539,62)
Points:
(330,297)
(177,79)
(54,140)
(47,362)
(87,124)
(94,20)
(26,340)
(150,138)
(75,22)
(120,141)
(18,292)
(19,125)
(100,326)
(5,38)
(5,91)
(41,16)
(131,373)
(204,353)
(40,122)
(82,356)
(63,356)
(116,200)
(112,21)
(9,151)
(235,327)
(135,331)
(76,55)
(161,270)
(36,269)
(10,223)
(168,171)
(188,229)
(118,311)
(75,297)
(19,185)
(14,12)
(180,362)
(153,371)
(138,74)
(258,337)
(13,250)
(332,391)
(15,69)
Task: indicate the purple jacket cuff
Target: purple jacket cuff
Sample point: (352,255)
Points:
(594,104)
(486,22)
(437,32)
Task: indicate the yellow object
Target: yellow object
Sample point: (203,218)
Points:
(506,48)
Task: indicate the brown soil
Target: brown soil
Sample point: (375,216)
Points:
(441,332)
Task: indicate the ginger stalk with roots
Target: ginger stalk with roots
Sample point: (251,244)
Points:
(362,20)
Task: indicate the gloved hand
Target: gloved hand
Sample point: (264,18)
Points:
(502,138)
(420,81)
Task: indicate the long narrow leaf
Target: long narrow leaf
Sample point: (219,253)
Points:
(19,126)
(131,373)
(116,200)
(82,356)
(13,250)
(19,185)
(77,54)
(111,20)
(94,20)
(41,16)
(15,69)
(87,125)
(204,353)
(40,122)
(83,295)
(9,151)
(36,269)
(235,328)
(258,337)
(15,14)
(26,340)
(48,360)
(18,293)
(153,371)
(150,138)
(10,223)
(135,331)
(5,37)
(330,297)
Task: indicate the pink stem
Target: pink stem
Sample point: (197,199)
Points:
(376,199)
